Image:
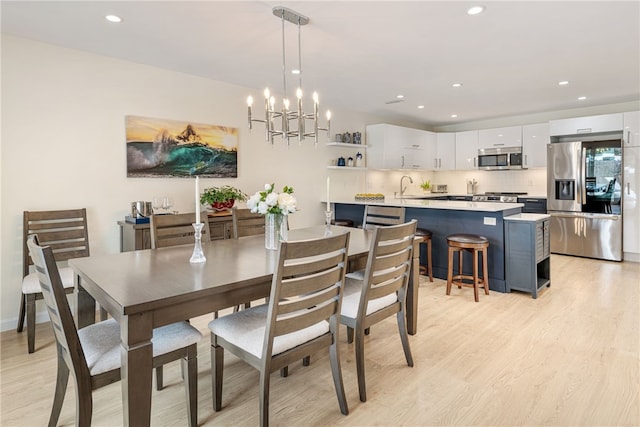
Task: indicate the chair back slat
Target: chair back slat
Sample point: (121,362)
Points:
(176,229)
(58,308)
(306,289)
(382,216)
(65,231)
(388,264)
(246,223)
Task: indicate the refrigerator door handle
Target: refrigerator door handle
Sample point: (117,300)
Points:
(584,215)
(583,178)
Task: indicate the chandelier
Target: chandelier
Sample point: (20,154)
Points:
(286,115)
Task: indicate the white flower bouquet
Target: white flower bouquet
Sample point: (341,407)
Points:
(268,201)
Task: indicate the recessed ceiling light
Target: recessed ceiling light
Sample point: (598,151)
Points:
(457,85)
(564,82)
(295,71)
(400,96)
(420,107)
(454,116)
(113,18)
(582,98)
(475,10)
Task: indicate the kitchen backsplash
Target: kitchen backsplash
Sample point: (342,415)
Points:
(531,181)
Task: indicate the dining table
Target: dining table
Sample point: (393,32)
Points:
(146,289)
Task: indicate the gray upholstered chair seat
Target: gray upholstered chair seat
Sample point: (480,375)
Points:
(351,299)
(356,275)
(246,329)
(101,343)
(31,284)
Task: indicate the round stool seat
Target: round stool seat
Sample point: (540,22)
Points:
(342,222)
(423,232)
(467,239)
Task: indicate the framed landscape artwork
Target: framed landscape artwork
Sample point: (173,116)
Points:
(172,148)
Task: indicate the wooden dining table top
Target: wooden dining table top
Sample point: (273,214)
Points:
(139,281)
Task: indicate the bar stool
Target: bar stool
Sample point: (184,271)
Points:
(474,244)
(426,236)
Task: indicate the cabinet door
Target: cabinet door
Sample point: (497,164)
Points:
(534,145)
(590,124)
(632,129)
(419,150)
(466,150)
(500,137)
(630,208)
(445,158)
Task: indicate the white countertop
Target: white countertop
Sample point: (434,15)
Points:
(526,217)
(456,205)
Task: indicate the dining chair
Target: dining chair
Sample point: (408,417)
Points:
(92,354)
(246,223)
(379,216)
(301,317)
(176,229)
(66,233)
(382,292)
(173,230)
(382,216)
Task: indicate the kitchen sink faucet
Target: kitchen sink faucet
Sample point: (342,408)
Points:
(403,189)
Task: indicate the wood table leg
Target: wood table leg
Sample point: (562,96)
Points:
(85,306)
(137,366)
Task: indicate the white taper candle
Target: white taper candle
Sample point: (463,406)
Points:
(197,200)
(328,201)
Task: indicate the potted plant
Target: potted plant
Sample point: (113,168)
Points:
(425,185)
(222,198)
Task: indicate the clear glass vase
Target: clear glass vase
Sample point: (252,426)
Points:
(275,230)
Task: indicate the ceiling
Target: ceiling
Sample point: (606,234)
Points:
(360,55)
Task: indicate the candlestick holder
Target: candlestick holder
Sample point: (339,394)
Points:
(328,215)
(198,255)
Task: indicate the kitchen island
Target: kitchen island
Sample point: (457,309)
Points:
(445,217)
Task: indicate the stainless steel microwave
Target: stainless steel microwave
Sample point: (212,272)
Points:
(500,158)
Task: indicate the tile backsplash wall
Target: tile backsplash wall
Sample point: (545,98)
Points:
(530,181)
(345,184)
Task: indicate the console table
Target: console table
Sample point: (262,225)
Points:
(134,237)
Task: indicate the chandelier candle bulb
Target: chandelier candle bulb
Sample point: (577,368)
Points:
(197,200)
(249,104)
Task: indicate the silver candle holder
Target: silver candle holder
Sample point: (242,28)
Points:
(198,255)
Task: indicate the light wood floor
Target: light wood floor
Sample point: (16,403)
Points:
(569,358)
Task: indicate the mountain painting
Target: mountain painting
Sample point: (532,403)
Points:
(171,148)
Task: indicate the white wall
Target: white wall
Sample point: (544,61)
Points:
(63,145)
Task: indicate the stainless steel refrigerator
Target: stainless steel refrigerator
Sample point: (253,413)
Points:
(583,198)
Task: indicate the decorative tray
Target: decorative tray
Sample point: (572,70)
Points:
(369,197)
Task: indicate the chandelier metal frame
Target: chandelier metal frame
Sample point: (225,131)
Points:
(285,115)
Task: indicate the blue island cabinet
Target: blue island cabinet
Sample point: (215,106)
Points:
(443,222)
(527,247)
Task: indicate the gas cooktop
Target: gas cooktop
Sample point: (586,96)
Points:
(500,197)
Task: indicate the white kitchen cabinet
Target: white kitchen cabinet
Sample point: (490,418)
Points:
(590,124)
(467,150)
(397,147)
(631,129)
(630,201)
(500,137)
(534,145)
(445,158)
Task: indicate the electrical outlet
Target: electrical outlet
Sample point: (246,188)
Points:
(489,221)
